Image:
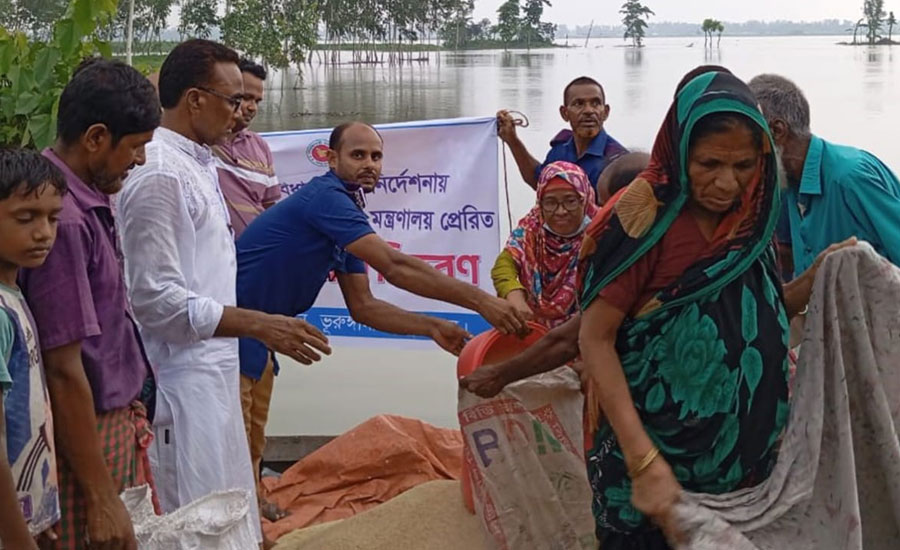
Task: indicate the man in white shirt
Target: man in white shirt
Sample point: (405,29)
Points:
(180,267)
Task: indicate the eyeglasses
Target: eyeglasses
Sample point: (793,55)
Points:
(235,102)
(570,204)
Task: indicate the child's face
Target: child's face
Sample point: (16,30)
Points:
(28,226)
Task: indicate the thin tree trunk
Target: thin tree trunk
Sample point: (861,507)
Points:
(129,33)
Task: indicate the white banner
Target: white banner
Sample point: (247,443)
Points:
(437,200)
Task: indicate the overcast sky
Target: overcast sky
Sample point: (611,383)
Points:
(606,12)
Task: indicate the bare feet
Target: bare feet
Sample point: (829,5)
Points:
(271,511)
(487,381)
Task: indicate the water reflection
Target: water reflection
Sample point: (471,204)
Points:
(634,57)
(634,78)
(712,56)
(874,54)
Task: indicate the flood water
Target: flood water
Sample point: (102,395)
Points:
(854,93)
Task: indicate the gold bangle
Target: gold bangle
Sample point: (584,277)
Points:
(644,464)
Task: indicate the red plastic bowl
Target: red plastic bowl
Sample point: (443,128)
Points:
(489,348)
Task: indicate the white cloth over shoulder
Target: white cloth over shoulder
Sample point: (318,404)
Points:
(836,484)
(180,268)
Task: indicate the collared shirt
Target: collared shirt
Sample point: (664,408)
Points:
(844,192)
(246,177)
(79,295)
(181,268)
(602,150)
(285,256)
(179,252)
(29,444)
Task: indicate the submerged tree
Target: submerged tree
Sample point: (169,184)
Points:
(873,11)
(456,30)
(634,19)
(532,27)
(859,24)
(508,22)
(255,27)
(709,27)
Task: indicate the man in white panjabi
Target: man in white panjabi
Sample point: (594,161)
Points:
(180,267)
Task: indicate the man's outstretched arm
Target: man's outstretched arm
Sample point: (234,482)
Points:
(555,349)
(416,276)
(380,315)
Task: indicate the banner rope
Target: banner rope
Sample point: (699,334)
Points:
(519,119)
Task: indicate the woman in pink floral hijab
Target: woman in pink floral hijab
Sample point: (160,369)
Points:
(537,268)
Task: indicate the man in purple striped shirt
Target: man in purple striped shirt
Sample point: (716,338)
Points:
(244,162)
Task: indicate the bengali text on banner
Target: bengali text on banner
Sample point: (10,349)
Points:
(437,200)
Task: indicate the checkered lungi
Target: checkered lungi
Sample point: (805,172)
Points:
(125,435)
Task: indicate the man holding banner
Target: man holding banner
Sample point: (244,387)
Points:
(286,255)
(587,144)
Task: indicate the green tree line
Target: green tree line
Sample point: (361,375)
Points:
(281,33)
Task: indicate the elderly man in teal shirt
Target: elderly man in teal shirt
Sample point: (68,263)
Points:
(834,192)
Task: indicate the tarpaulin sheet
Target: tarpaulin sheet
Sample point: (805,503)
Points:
(368,465)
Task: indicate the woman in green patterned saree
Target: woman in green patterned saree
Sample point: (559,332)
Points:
(684,326)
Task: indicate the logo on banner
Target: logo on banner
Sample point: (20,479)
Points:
(317,152)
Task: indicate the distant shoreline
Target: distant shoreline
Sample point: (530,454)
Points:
(724,36)
(883,42)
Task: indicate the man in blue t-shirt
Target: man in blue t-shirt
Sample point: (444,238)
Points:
(286,254)
(587,144)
